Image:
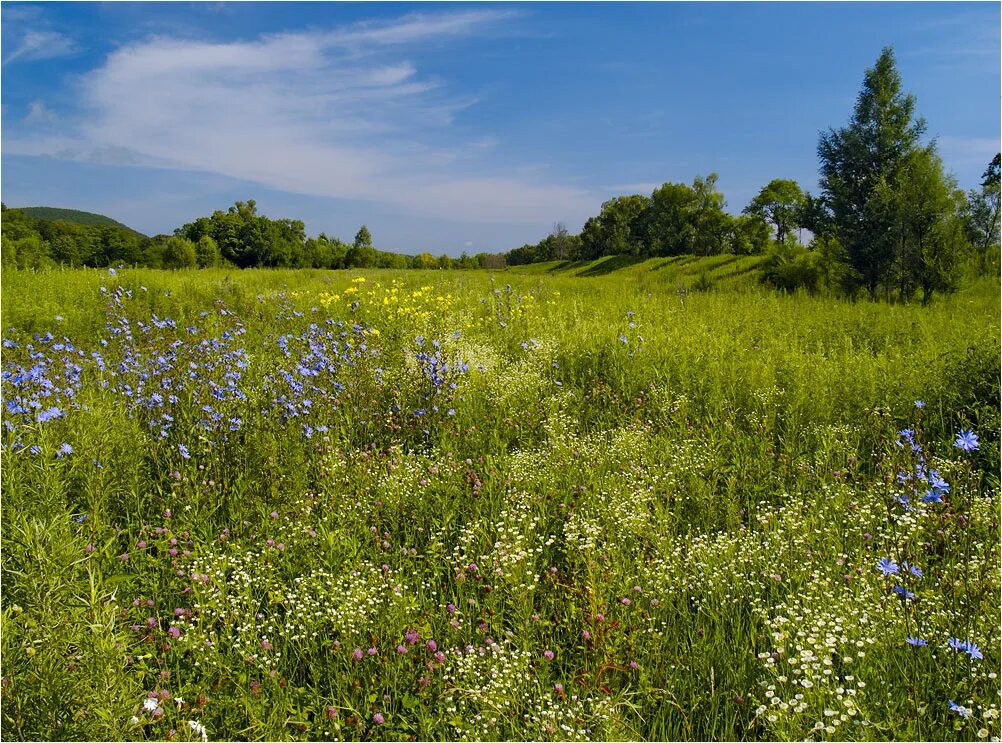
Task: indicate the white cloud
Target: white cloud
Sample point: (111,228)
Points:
(39,114)
(36,44)
(325,113)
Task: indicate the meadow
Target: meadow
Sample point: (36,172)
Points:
(612,501)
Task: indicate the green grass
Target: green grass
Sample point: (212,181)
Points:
(681,494)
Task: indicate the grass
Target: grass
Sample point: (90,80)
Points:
(550,503)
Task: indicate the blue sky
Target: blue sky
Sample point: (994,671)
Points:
(458,126)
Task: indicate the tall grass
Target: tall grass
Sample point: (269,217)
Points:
(529,504)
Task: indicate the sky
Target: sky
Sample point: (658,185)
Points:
(451,127)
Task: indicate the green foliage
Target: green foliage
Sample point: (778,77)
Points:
(616,230)
(749,235)
(179,252)
(929,228)
(362,238)
(791,266)
(53,214)
(982,218)
(859,162)
(207,253)
(780,203)
(71,244)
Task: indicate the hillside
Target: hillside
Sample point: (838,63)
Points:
(54,214)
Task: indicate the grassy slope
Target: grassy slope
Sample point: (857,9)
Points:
(724,271)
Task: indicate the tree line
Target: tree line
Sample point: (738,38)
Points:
(888,220)
(239,237)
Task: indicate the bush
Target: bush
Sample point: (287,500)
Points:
(791,266)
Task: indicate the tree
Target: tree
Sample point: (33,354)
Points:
(780,203)
(929,225)
(856,160)
(668,226)
(710,221)
(616,230)
(749,234)
(207,253)
(362,238)
(982,213)
(179,252)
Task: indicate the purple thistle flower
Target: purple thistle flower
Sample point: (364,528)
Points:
(378,718)
(357,653)
(548,654)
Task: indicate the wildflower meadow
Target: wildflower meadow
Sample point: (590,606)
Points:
(440,505)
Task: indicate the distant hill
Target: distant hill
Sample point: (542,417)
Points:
(55,214)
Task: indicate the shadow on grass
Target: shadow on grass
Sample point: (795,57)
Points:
(566,266)
(612,263)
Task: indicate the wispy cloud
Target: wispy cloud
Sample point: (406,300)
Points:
(968,150)
(35,45)
(342,113)
(39,114)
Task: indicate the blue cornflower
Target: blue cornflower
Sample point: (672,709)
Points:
(938,482)
(919,404)
(34,448)
(111,271)
(903,592)
(917,642)
(968,647)
(913,569)
(966,441)
(960,710)
(623,339)
(64,450)
(907,435)
(184,451)
(887,566)
(932,496)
